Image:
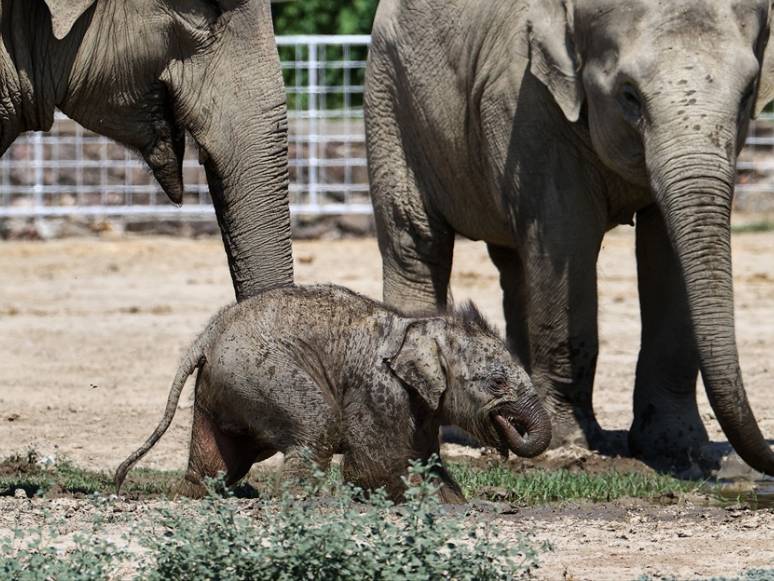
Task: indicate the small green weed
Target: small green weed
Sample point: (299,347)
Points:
(28,473)
(539,487)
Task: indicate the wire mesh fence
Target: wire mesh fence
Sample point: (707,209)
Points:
(70,171)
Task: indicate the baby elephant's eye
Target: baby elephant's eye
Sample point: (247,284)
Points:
(498,383)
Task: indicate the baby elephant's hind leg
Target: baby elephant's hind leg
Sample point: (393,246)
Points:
(301,462)
(212,452)
(449,491)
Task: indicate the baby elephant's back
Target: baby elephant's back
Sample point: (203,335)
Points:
(266,345)
(303,312)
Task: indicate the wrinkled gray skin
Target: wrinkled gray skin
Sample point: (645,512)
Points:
(312,371)
(538,126)
(143,72)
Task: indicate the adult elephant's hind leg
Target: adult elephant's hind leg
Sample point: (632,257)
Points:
(515,304)
(667,428)
(416,246)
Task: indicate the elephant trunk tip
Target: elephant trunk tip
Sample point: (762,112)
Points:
(526,438)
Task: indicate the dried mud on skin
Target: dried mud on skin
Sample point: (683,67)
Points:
(91,331)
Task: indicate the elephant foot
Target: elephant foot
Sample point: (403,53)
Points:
(571,427)
(583,430)
(672,442)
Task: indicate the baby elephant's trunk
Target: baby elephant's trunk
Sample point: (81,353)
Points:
(526,429)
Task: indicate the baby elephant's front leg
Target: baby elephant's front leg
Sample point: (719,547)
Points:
(374,470)
(300,463)
(363,472)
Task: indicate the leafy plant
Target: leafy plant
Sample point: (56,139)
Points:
(32,556)
(350,536)
(323,529)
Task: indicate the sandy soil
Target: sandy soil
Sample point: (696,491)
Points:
(91,331)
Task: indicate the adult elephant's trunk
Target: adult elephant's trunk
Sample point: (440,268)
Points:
(694,192)
(232,100)
(248,181)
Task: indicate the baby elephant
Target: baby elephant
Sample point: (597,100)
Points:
(313,371)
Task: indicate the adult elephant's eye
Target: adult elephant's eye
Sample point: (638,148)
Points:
(744,104)
(630,102)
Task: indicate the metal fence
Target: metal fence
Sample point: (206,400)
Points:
(71,171)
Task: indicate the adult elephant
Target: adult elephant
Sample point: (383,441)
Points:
(143,72)
(537,126)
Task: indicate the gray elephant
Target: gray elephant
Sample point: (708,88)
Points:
(536,126)
(143,72)
(312,371)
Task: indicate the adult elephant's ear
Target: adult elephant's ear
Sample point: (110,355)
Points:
(65,13)
(553,59)
(766,81)
(419,362)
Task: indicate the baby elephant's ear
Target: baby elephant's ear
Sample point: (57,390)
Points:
(419,362)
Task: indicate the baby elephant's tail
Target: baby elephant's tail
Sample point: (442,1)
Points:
(192,360)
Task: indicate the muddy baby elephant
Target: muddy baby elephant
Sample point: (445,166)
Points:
(313,371)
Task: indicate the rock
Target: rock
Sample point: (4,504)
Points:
(18,229)
(315,228)
(732,467)
(356,224)
(47,461)
(20,493)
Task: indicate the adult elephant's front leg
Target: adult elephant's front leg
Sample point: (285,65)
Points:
(415,243)
(562,305)
(667,427)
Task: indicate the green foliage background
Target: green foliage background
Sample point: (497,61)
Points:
(324,16)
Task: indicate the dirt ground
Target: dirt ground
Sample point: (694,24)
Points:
(91,331)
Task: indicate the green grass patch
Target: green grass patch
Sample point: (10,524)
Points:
(752,227)
(540,487)
(496,481)
(62,478)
